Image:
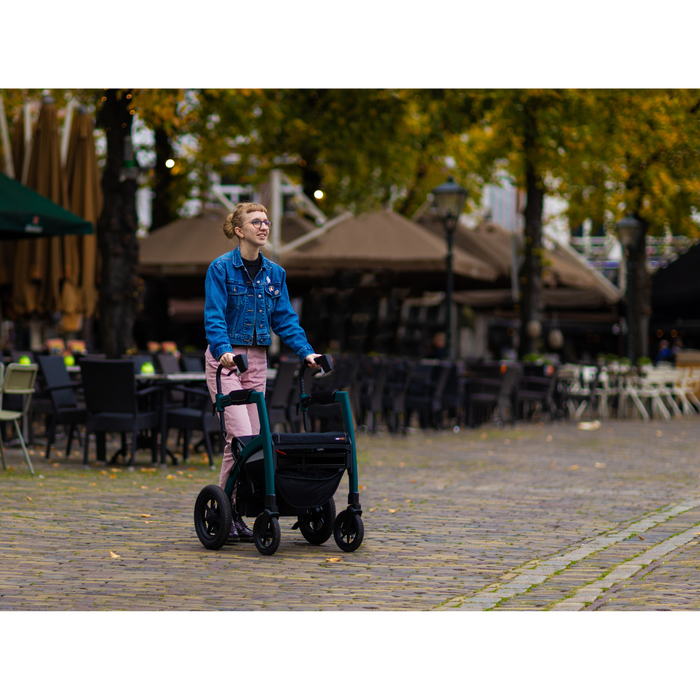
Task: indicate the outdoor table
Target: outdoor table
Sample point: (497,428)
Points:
(166,381)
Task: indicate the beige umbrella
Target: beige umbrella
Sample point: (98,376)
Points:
(381,240)
(41,292)
(85,200)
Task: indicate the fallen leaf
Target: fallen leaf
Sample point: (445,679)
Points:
(160,488)
(574,466)
(599,465)
(408,500)
(145,488)
(371,510)
(114,555)
(192,469)
(29,498)
(170,476)
(483,436)
(112,476)
(402,464)
(181,473)
(384,500)
(93,483)
(594,425)
(379,464)
(146,515)
(554,463)
(659,433)
(413,481)
(641,538)
(549,438)
(333,559)
(148,521)
(393,510)
(506,442)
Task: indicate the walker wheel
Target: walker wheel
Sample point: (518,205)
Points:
(266,534)
(212,517)
(348,531)
(318,525)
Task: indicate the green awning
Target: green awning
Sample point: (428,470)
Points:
(26,214)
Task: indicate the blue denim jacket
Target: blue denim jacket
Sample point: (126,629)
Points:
(234,305)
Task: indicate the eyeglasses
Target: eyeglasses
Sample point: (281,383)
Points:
(259,222)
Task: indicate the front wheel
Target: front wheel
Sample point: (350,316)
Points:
(266,534)
(212,517)
(318,526)
(348,531)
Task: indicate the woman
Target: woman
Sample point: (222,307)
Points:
(246,298)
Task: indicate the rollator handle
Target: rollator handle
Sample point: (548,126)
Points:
(325,362)
(241,363)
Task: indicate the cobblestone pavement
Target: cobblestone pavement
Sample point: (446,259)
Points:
(540,517)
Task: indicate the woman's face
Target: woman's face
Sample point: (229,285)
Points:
(255,234)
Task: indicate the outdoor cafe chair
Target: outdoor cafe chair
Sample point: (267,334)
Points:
(17,380)
(113,405)
(190,363)
(280,407)
(41,402)
(537,393)
(195,417)
(685,389)
(66,409)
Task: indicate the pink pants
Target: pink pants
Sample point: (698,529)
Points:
(239,420)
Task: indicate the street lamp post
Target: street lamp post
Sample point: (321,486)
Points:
(449,200)
(629,230)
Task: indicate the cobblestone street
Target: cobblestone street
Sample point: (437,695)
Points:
(540,517)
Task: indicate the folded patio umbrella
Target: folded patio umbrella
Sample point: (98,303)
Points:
(85,200)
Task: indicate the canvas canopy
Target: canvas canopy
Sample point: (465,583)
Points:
(25,214)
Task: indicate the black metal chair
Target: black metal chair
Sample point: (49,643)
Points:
(190,363)
(280,406)
(536,392)
(112,402)
(66,408)
(492,386)
(195,417)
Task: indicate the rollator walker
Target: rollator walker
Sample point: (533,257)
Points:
(285,474)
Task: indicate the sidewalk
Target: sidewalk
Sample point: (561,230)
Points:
(540,517)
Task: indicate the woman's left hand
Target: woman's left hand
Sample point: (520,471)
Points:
(311,359)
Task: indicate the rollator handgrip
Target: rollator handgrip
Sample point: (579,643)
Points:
(325,362)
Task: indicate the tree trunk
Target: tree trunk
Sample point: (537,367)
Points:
(639,297)
(116,230)
(531,270)
(162,196)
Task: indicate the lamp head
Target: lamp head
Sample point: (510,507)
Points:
(449,199)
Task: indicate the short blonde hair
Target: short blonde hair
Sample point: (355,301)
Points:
(235,219)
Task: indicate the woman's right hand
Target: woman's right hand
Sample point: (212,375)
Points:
(227,360)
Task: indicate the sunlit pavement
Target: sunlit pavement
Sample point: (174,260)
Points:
(537,517)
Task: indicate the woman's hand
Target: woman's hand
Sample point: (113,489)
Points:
(311,359)
(227,360)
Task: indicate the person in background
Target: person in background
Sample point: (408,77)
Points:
(438,347)
(664,353)
(246,299)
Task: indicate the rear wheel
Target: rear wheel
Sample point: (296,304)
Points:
(212,517)
(266,534)
(318,525)
(348,531)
